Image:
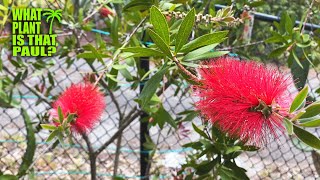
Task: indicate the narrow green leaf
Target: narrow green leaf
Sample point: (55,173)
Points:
(199,51)
(52,135)
(61,118)
(233,149)
(8,177)
(48,126)
(151,86)
(289,126)
(143,52)
(278,52)
(160,43)
(31,145)
(311,110)
(126,74)
(205,167)
(160,24)
(91,55)
(207,55)
(185,30)
(163,115)
(207,39)
(70,118)
(312,123)
(200,132)
(307,137)
(299,99)
(297,59)
(138,5)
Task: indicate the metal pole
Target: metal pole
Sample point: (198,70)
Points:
(144,131)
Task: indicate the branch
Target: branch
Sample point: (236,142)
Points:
(126,42)
(29,87)
(113,98)
(133,114)
(307,16)
(192,77)
(92,157)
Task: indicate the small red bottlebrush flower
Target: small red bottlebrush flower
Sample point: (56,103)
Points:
(83,100)
(243,98)
(105,12)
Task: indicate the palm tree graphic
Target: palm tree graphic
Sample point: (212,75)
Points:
(52,14)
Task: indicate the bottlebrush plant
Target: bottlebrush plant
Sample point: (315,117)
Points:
(240,102)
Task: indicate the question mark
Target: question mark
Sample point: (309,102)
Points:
(51,50)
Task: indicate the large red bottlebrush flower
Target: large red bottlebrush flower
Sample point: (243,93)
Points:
(83,100)
(243,98)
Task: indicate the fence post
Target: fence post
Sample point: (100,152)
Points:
(144,157)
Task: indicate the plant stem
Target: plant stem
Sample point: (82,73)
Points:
(39,156)
(126,42)
(183,69)
(92,157)
(29,87)
(133,114)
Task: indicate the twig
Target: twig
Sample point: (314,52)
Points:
(126,42)
(307,17)
(92,157)
(113,98)
(183,69)
(241,46)
(29,87)
(127,121)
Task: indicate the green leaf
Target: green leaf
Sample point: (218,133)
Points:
(299,99)
(238,172)
(138,5)
(313,122)
(143,52)
(160,24)
(126,74)
(185,30)
(31,145)
(207,39)
(300,75)
(289,126)
(160,43)
(52,135)
(61,117)
(233,149)
(307,137)
(311,110)
(8,177)
(278,52)
(163,116)
(205,167)
(114,33)
(70,118)
(200,132)
(199,51)
(92,55)
(48,126)
(151,86)
(207,55)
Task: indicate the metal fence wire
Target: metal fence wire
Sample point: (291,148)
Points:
(285,158)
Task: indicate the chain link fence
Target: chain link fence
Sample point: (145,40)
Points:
(285,158)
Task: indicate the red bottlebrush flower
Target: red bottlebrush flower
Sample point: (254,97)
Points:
(243,98)
(105,12)
(85,101)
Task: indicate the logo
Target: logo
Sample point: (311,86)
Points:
(28,36)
